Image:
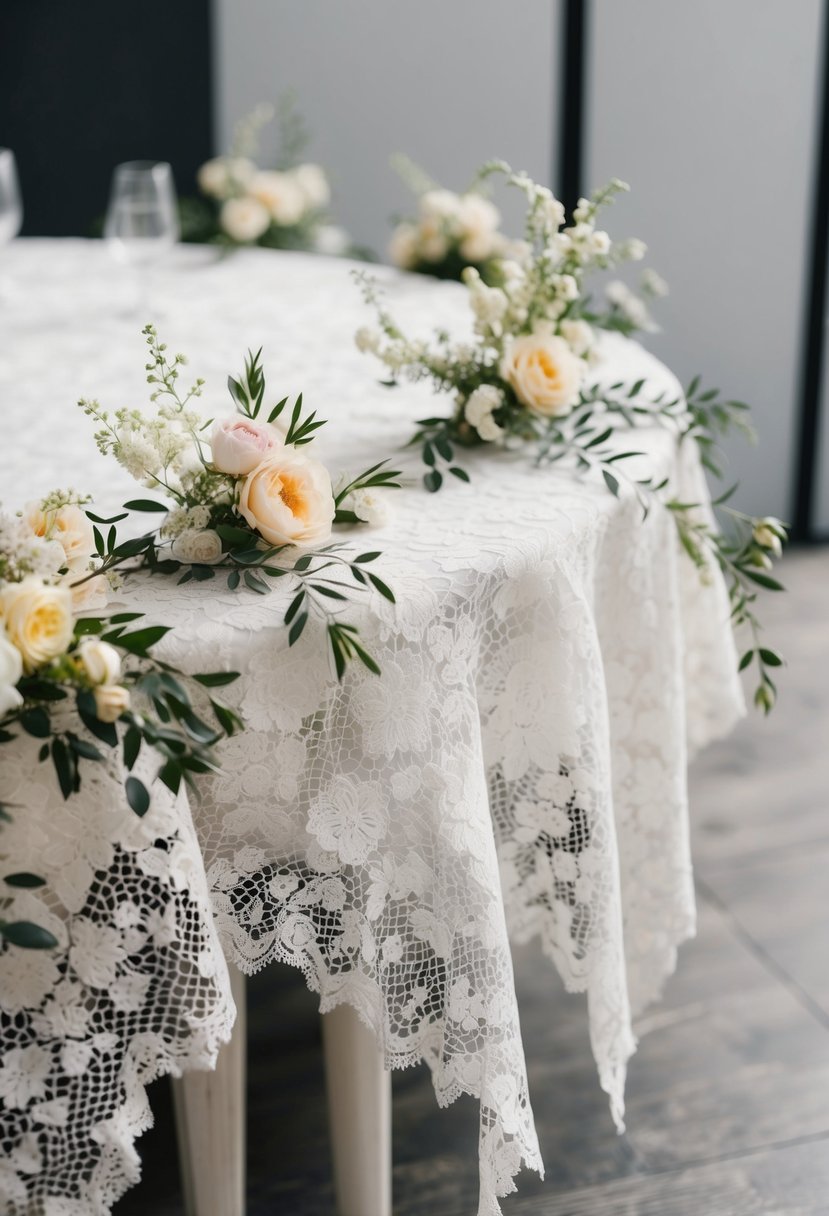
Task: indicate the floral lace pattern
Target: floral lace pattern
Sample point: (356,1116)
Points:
(518,771)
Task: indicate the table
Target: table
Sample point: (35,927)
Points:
(518,772)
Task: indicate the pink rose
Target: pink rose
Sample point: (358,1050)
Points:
(239,444)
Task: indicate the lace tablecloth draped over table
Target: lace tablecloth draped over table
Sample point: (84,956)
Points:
(517,772)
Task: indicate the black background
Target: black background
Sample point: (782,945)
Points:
(86,85)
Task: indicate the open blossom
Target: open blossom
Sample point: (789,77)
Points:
(218,177)
(288,499)
(69,526)
(38,620)
(369,505)
(280,194)
(403,246)
(543,371)
(11,669)
(244,219)
(238,444)
(478,226)
(313,184)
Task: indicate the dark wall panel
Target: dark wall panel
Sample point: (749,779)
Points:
(86,85)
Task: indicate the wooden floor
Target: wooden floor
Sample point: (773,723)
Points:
(728,1096)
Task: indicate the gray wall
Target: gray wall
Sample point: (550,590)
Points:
(706,108)
(451,83)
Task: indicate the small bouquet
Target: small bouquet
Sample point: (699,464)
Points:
(450,231)
(246,499)
(280,208)
(524,380)
(80,682)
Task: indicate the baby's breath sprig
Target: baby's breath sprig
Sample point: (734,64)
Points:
(208,526)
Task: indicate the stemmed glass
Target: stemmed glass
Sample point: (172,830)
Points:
(11,204)
(142,218)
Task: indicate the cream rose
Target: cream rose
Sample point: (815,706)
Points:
(68,526)
(280,194)
(239,444)
(100,661)
(244,219)
(111,700)
(217,177)
(313,184)
(89,596)
(288,499)
(202,548)
(543,371)
(11,669)
(403,246)
(38,620)
(478,221)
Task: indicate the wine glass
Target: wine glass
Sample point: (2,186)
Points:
(142,218)
(11,204)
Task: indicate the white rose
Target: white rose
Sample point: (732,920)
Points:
(11,669)
(478,224)
(288,499)
(238,444)
(543,371)
(440,204)
(202,548)
(403,246)
(578,334)
(69,526)
(432,240)
(38,620)
(244,219)
(213,178)
(313,184)
(489,430)
(371,506)
(111,700)
(280,194)
(635,249)
(482,402)
(100,661)
(218,177)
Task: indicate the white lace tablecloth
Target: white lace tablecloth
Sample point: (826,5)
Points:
(519,771)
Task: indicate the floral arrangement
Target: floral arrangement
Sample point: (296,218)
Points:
(450,231)
(71,679)
(524,380)
(280,208)
(247,500)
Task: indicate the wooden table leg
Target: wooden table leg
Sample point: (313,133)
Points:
(359,1114)
(210,1123)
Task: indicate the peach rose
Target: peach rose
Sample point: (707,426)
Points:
(38,620)
(69,526)
(288,499)
(543,371)
(239,444)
